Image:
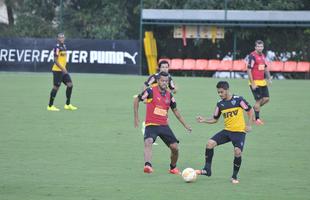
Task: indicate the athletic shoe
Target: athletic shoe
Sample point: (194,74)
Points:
(234,181)
(259,122)
(52,108)
(203,172)
(70,107)
(174,171)
(148,169)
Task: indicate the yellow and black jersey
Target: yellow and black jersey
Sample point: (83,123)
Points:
(60,55)
(152,81)
(232,111)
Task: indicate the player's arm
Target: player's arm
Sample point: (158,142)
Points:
(250,64)
(56,54)
(267,73)
(136,111)
(141,97)
(173,106)
(210,120)
(250,113)
(201,119)
(181,119)
(251,118)
(172,86)
(151,79)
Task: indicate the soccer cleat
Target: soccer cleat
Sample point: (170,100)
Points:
(174,171)
(52,108)
(147,169)
(234,181)
(70,107)
(259,122)
(203,172)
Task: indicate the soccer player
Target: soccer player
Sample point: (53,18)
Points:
(163,66)
(231,106)
(60,74)
(158,100)
(257,70)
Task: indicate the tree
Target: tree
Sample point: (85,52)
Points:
(34,18)
(98,19)
(119,19)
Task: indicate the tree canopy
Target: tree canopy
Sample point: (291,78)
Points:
(119,19)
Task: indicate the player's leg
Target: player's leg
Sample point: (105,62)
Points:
(218,139)
(150,135)
(57,77)
(174,158)
(237,164)
(53,94)
(258,101)
(171,141)
(69,92)
(209,152)
(265,95)
(143,130)
(67,80)
(264,101)
(238,139)
(256,108)
(148,155)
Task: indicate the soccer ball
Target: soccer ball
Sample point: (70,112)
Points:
(189,175)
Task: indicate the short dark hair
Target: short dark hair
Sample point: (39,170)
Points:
(222,84)
(259,42)
(162,63)
(162,74)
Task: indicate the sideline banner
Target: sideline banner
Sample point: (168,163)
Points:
(83,55)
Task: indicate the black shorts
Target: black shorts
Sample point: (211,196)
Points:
(224,136)
(164,132)
(260,92)
(59,77)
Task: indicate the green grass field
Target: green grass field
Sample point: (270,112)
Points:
(95,153)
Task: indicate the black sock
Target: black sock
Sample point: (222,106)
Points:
(147,164)
(52,97)
(256,114)
(208,158)
(173,166)
(68,94)
(209,155)
(237,164)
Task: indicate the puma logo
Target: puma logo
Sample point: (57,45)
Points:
(132,58)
